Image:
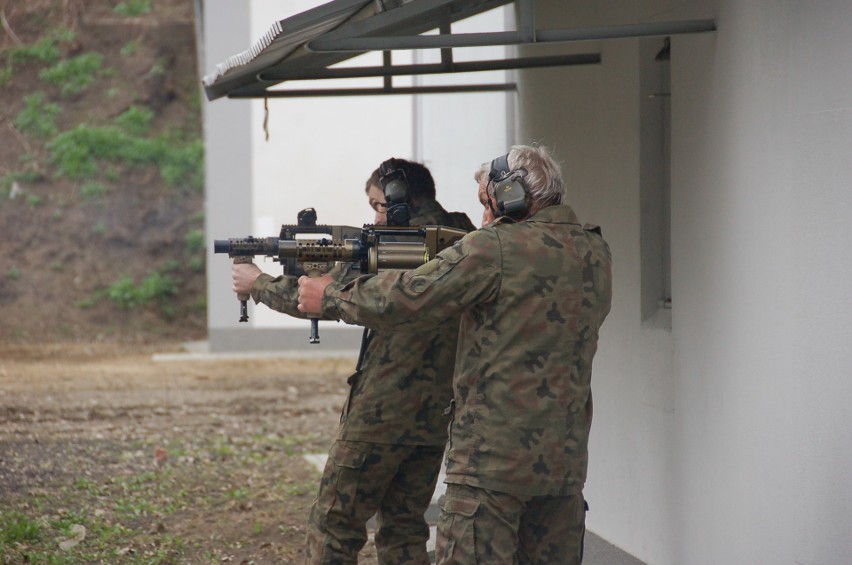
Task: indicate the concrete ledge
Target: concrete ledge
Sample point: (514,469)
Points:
(240,340)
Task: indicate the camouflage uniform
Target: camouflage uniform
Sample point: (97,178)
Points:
(392,434)
(532,296)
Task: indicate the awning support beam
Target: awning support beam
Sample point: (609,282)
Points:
(434,68)
(566,35)
(450,89)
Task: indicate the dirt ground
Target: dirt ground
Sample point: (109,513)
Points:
(108,453)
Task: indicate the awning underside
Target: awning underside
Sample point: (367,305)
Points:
(306,45)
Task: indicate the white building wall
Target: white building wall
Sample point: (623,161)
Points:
(228,149)
(455,133)
(728,439)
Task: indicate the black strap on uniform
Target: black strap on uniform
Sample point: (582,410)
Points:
(366,338)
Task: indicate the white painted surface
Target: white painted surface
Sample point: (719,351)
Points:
(726,440)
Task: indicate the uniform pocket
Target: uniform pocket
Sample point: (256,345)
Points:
(346,456)
(456,531)
(339,484)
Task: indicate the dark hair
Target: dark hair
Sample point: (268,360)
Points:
(420,182)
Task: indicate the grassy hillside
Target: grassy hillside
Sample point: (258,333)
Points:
(101,171)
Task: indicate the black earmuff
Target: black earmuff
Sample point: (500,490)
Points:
(395,188)
(510,192)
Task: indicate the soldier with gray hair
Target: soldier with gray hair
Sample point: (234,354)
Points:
(532,287)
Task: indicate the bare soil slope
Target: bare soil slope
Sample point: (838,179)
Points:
(100,162)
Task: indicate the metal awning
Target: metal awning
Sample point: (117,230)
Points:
(307,45)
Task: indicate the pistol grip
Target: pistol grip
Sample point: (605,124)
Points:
(243,298)
(314,270)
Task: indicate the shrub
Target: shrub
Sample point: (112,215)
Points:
(157,286)
(77,154)
(133,8)
(194,241)
(135,121)
(74,75)
(130,48)
(38,118)
(45,50)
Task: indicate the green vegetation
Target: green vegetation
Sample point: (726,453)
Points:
(195,249)
(194,241)
(158,68)
(14,273)
(99,228)
(74,75)
(136,120)
(93,190)
(16,527)
(133,8)
(130,516)
(46,50)
(157,286)
(130,48)
(38,118)
(80,152)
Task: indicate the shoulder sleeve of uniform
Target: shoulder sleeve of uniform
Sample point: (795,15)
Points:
(279,293)
(460,276)
(282,293)
(469,260)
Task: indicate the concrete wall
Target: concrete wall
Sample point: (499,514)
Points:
(725,439)
(228,155)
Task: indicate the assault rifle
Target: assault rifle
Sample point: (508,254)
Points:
(372,248)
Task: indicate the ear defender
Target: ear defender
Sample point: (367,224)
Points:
(395,187)
(508,189)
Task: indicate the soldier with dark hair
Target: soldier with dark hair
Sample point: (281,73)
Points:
(532,287)
(393,431)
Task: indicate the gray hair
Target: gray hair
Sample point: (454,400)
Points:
(482,172)
(543,177)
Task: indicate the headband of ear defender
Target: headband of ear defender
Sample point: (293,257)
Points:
(395,188)
(509,190)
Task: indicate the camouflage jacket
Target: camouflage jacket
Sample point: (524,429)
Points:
(532,296)
(404,385)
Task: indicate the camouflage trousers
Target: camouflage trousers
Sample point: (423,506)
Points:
(393,482)
(479,526)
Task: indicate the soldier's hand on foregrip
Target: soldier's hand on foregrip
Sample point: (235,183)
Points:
(243,276)
(241,295)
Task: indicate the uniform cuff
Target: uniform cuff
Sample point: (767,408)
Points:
(259,285)
(331,300)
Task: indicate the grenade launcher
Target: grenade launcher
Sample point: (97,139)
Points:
(373,249)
